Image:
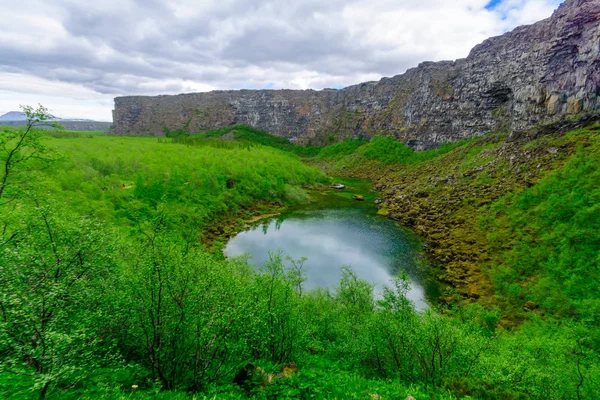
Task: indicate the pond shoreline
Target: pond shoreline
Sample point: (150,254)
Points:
(321,220)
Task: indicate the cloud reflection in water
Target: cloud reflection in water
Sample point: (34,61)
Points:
(374,248)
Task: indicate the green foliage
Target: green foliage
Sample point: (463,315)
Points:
(547,239)
(339,150)
(187,321)
(379,150)
(52,272)
(250,136)
(124,179)
(176,133)
(22,149)
(387,150)
(110,295)
(64,134)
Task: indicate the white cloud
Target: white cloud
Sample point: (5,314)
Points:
(76,55)
(522,12)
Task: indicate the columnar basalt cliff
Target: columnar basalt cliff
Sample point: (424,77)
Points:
(535,74)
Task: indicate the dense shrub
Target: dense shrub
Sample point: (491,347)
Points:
(108,294)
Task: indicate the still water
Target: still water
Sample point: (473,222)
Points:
(337,231)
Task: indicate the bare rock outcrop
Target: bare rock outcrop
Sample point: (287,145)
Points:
(536,74)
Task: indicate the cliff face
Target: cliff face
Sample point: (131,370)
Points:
(535,74)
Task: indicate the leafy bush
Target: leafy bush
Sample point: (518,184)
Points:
(53,272)
(110,294)
(338,150)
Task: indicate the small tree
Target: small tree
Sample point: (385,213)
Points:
(51,280)
(187,313)
(19,146)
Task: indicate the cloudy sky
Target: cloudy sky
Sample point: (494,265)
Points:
(75,56)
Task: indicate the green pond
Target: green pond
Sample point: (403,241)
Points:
(335,231)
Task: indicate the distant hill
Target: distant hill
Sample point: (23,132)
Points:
(13,116)
(18,118)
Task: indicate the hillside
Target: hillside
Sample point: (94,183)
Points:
(13,116)
(107,290)
(488,205)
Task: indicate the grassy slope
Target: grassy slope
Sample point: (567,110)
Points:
(544,240)
(249,135)
(124,179)
(492,232)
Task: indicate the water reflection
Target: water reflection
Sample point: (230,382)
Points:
(374,247)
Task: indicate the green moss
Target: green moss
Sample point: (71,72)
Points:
(441,87)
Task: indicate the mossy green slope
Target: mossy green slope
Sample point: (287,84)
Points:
(504,216)
(249,136)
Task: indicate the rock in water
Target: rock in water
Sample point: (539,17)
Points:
(359,197)
(338,186)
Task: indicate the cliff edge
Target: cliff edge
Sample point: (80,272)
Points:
(535,74)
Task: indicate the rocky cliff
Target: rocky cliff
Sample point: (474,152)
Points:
(535,74)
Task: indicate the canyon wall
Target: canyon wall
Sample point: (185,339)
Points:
(533,75)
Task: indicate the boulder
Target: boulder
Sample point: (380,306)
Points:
(251,372)
(359,197)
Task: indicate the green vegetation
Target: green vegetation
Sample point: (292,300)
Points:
(351,151)
(124,180)
(546,238)
(383,150)
(249,136)
(62,134)
(339,150)
(106,291)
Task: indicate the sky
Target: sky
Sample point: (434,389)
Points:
(75,56)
